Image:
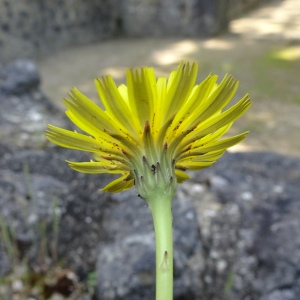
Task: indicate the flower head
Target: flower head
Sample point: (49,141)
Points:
(152,130)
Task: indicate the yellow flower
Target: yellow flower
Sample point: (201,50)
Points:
(152,130)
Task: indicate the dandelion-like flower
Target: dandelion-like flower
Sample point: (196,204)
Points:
(152,130)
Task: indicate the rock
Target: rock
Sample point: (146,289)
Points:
(251,225)
(247,211)
(19,77)
(165,17)
(34,187)
(29,29)
(181,17)
(235,225)
(25,111)
(126,261)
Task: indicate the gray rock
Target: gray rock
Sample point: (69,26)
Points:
(28,29)
(252,224)
(126,261)
(180,17)
(235,225)
(246,245)
(27,198)
(19,77)
(25,111)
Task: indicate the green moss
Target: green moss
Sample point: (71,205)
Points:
(297,100)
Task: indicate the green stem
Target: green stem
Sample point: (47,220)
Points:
(161,209)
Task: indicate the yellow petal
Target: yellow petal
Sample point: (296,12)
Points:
(87,123)
(78,141)
(92,113)
(194,103)
(181,176)
(213,103)
(216,145)
(122,183)
(116,106)
(207,157)
(219,121)
(93,167)
(142,93)
(158,117)
(180,85)
(194,165)
(71,139)
(212,137)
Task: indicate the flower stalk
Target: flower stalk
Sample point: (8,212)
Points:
(161,209)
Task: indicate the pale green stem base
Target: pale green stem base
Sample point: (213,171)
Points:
(161,209)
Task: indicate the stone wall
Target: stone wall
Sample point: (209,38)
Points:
(32,27)
(174,17)
(237,7)
(180,17)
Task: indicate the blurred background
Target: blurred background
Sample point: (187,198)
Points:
(77,41)
(50,213)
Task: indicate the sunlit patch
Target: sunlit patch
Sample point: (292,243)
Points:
(289,53)
(175,52)
(242,148)
(218,44)
(115,72)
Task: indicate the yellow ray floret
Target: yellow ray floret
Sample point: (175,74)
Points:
(152,130)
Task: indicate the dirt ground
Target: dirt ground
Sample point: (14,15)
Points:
(261,49)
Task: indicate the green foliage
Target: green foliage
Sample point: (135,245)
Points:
(91,283)
(229,283)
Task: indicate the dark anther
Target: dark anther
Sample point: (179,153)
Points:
(141,197)
(147,127)
(153,168)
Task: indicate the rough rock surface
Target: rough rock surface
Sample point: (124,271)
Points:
(236,224)
(19,77)
(248,211)
(167,17)
(130,250)
(180,17)
(25,111)
(254,230)
(29,28)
